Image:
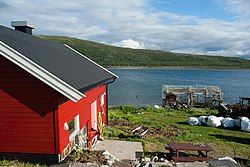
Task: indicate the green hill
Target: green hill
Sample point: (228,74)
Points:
(107,55)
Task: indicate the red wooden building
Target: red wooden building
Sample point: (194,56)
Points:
(51,96)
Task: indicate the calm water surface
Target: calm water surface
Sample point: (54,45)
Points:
(143,86)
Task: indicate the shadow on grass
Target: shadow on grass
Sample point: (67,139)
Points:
(126,136)
(185,123)
(237,129)
(241,140)
(182,123)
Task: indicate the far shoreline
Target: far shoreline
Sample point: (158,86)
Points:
(175,67)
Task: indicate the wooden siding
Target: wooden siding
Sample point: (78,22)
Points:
(67,110)
(27,108)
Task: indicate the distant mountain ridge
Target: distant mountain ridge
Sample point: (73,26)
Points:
(246,57)
(107,56)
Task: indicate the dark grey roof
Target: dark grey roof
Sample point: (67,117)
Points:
(58,59)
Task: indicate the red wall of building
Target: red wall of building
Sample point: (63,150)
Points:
(27,108)
(32,114)
(67,110)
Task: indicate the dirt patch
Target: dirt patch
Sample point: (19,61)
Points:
(121,123)
(95,157)
(122,163)
(169,132)
(153,132)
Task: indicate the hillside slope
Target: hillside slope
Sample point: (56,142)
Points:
(115,56)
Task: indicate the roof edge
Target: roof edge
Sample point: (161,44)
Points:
(91,61)
(96,84)
(40,73)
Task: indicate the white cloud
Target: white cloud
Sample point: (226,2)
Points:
(129,43)
(136,24)
(221,52)
(239,7)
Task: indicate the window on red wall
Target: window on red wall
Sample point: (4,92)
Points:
(74,127)
(102,99)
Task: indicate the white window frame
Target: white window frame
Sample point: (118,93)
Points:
(77,128)
(102,99)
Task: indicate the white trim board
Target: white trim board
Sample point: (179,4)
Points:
(40,73)
(91,61)
(77,128)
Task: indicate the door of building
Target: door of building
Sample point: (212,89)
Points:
(94,115)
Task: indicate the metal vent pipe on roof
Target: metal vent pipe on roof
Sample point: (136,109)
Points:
(22,26)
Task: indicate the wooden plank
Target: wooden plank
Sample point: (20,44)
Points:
(28,130)
(26,149)
(25,124)
(190,147)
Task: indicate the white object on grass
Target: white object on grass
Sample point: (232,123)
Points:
(203,119)
(245,119)
(237,122)
(193,121)
(228,122)
(245,125)
(136,129)
(213,121)
(156,106)
(220,118)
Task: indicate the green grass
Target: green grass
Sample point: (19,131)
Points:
(107,55)
(17,163)
(167,125)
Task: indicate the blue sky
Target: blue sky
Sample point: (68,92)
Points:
(214,27)
(206,9)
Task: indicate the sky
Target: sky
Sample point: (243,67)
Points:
(214,27)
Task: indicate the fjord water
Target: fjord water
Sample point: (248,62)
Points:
(143,86)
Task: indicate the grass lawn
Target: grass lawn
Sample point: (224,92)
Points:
(167,125)
(19,164)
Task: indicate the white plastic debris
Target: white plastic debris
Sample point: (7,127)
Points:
(136,129)
(155,158)
(147,164)
(228,122)
(245,119)
(109,163)
(203,119)
(143,133)
(112,159)
(106,154)
(245,125)
(193,121)
(237,122)
(220,118)
(213,121)
(156,106)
